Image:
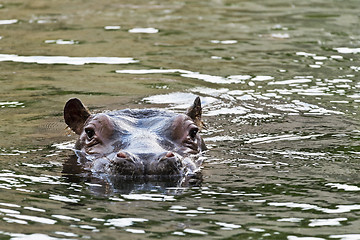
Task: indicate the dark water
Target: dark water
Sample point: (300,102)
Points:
(279,81)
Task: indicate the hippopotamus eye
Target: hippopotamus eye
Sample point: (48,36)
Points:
(193,132)
(90,132)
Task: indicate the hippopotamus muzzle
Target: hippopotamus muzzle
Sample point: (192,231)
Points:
(137,142)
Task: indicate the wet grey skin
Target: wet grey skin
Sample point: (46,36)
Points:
(138,142)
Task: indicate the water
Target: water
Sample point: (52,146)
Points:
(279,84)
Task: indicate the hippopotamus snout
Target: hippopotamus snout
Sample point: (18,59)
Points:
(166,163)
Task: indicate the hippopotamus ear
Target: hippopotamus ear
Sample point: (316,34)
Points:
(195,111)
(75,115)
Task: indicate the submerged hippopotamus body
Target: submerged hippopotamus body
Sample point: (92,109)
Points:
(139,142)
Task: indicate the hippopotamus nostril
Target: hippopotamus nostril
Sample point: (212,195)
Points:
(121,155)
(166,156)
(125,157)
(169,154)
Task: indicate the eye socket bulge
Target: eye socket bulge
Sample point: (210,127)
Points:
(193,132)
(90,132)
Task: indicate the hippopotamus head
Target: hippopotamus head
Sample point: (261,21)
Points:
(137,142)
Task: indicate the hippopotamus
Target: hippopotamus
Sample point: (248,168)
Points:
(137,142)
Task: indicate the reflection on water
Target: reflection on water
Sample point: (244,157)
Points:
(61,42)
(112,27)
(64,59)
(279,85)
(144,30)
(5,22)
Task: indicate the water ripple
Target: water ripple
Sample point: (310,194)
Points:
(62,42)
(305,206)
(326,222)
(65,59)
(344,187)
(144,30)
(123,222)
(7,22)
(347,50)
